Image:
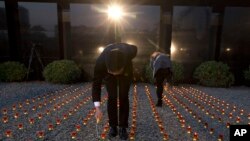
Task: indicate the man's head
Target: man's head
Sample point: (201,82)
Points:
(115,61)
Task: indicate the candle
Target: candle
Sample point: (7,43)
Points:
(14,107)
(20,126)
(4,111)
(195,138)
(31,120)
(40,134)
(211,131)
(220,137)
(50,126)
(238,119)
(16,115)
(58,121)
(8,133)
(103,136)
(65,116)
(165,136)
(39,115)
(189,129)
(5,119)
(25,112)
(73,134)
(78,127)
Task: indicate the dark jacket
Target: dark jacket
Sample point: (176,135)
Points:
(160,62)
(100,70)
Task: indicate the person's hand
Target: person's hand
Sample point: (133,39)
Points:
(98,114)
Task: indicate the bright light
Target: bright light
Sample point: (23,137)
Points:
(228,49)
(130,42)
(100,49)
(173,49)
(115,12)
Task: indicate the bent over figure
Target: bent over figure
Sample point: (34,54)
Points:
(162,69)
(114,67)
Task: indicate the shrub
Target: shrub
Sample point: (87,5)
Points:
(178,74)
(247,74)
(214,74)
(62,71)
(12,71)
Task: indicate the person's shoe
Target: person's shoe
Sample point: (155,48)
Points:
(123,134)
(112,132)
(159,103)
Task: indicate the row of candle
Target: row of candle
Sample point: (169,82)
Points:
(86,119)
(134,114)
(221,110)
(33,108)
(40,116)
(202,108)
(180,118)
(156,115)
(221,103)
(28,101)
(193,114)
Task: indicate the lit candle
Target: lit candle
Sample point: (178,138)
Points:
(16,115)
(4,111)
(65,116)
(14,107)
(5,119)
(40,134)
(8,133)
(50,126)
(47,111)
(31,120)
(39,115)
(211,131)
(220,137)
(73,134)
(58,121)
(238,119)
(25,112)
(189,129)
(103,136)
(165,136)
(206,125)
(78,127)
(195,138)
(20,126)
(85,121)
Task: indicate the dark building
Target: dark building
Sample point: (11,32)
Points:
(191,31)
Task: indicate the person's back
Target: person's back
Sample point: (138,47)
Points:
(162,69)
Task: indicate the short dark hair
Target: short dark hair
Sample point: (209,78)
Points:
(115,60)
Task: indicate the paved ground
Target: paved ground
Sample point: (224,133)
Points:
(41,111)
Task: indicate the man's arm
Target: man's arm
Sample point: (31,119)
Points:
(99,73)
